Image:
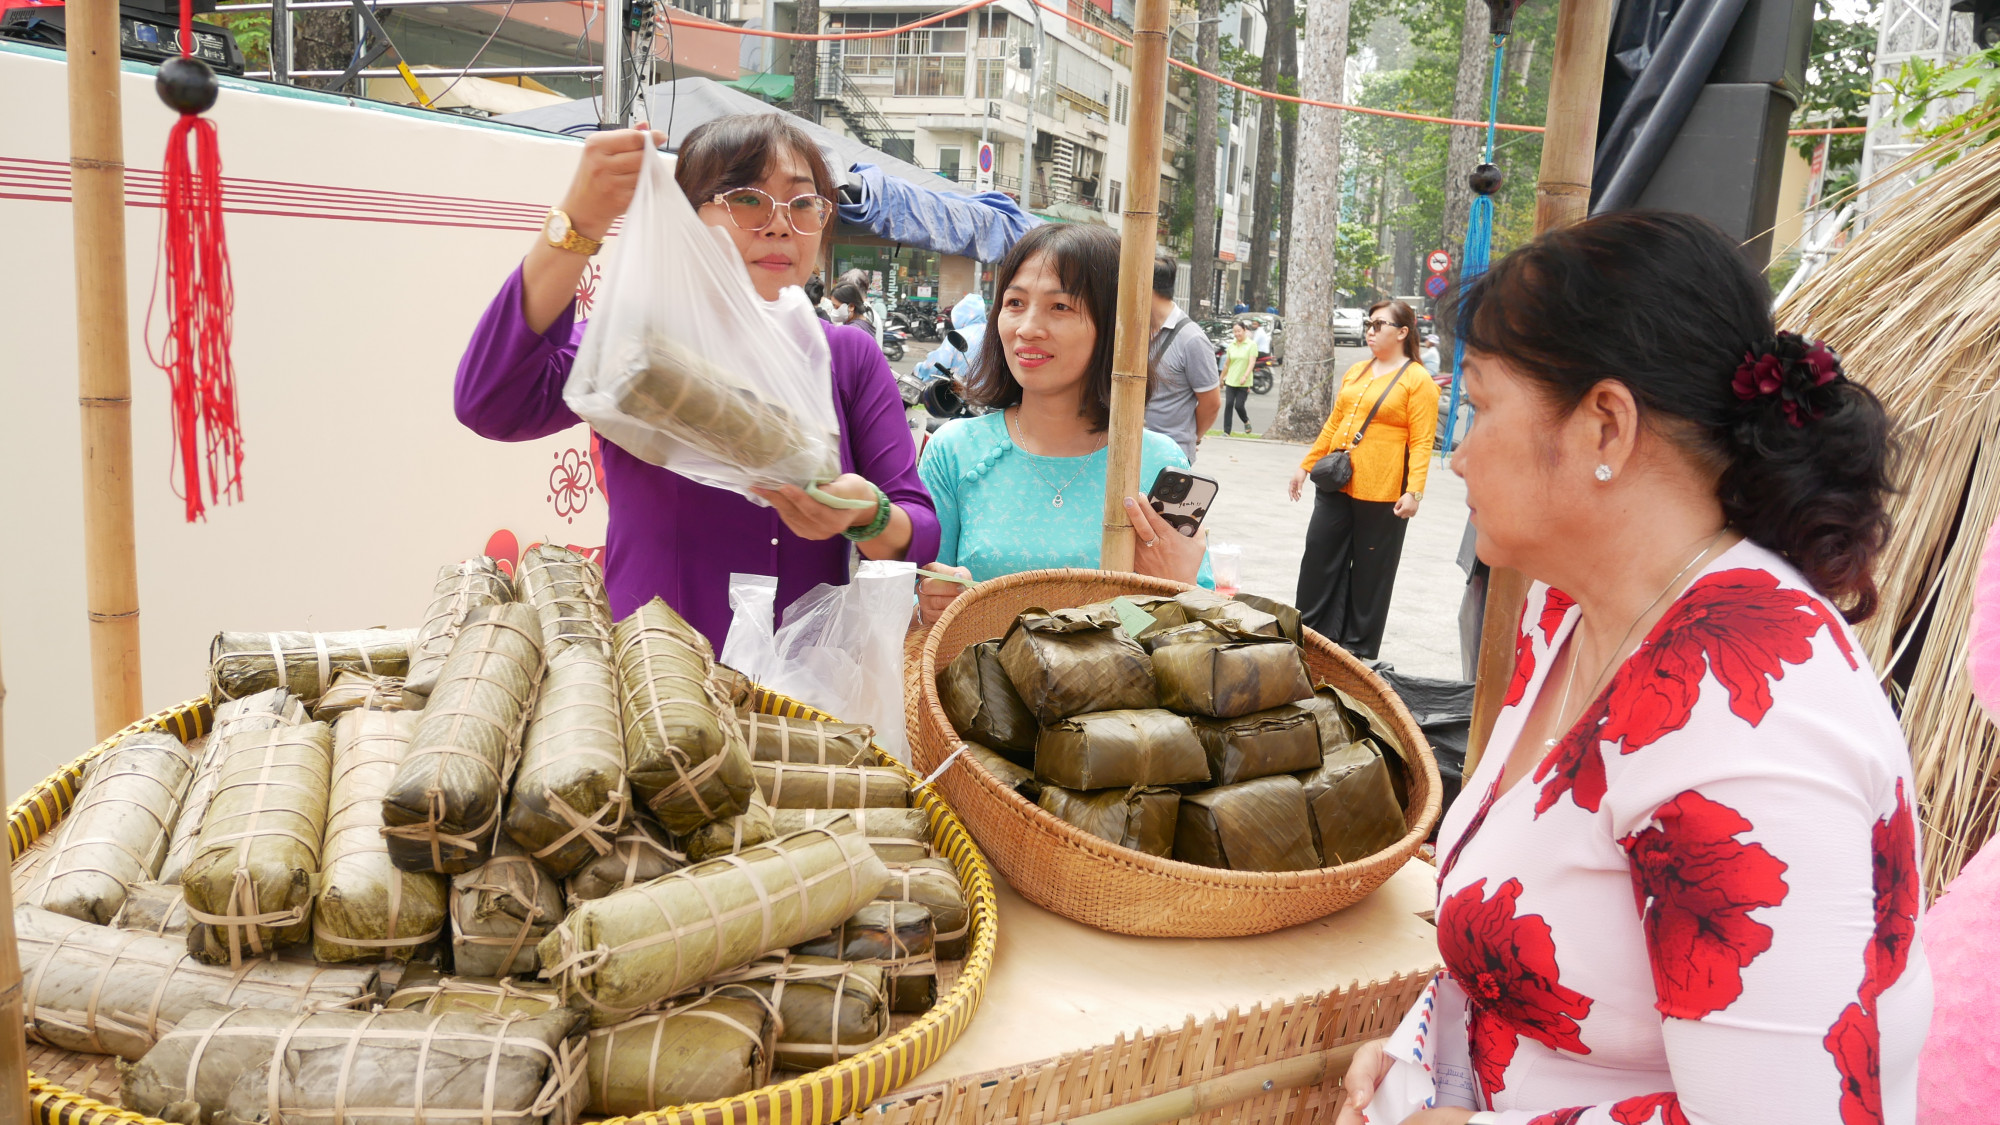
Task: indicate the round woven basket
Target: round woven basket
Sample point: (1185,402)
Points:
(1081,876)
(819,1098)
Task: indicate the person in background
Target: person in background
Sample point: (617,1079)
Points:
(1183,392)
(1428,354)
(850,306)
(1240,309)
(1355,540)
(1262,335)
(1237,361)
(1022,488)
(760,180)
(816,293)
(1684,883)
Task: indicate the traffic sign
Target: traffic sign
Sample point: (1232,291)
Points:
(984,175)
(1439,262)
(1436,285)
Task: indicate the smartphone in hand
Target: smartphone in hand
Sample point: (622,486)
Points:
(1183,498)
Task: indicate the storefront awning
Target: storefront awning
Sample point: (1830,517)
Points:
(773,88)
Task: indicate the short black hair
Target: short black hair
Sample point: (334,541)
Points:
(1165,266)
(1085,260)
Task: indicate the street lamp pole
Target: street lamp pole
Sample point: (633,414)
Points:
(1034,94)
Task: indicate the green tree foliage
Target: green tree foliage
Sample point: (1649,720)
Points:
(1838,72)
(253,35)
(1357,254)
(1969,87)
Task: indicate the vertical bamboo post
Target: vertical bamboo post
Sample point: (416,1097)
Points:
(14,1107)
(104,376)
(1140,237)
(1562,197)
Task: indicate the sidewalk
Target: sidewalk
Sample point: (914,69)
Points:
(1252,511)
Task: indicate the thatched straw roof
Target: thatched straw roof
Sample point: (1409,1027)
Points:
(1913,307)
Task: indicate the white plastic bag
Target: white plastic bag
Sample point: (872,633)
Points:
(840,649)
(685,366)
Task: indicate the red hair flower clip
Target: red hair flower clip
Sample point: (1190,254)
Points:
(1789,367)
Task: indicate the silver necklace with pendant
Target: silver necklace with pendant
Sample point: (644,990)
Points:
(1021,439)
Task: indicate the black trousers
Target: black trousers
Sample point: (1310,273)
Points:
(1349,570)
(1235,401)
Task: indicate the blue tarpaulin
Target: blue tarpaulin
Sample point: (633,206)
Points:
(983,226)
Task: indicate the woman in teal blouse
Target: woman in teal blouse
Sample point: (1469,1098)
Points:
(1023,488)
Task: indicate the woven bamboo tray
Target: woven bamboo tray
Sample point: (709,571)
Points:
(1080,876)
(824,1096)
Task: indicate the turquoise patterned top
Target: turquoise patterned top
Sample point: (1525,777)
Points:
(994,508)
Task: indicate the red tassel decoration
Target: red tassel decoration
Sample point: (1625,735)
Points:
(199,294)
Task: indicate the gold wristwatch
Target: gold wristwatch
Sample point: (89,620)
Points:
(556,228)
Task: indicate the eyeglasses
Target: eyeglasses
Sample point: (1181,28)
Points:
(1379,325)
(752,209)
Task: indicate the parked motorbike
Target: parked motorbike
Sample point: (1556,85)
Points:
(892,344)
(1263,375)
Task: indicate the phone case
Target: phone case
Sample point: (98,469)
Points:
(1183,499)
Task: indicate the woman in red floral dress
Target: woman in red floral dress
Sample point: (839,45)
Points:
(1682,885)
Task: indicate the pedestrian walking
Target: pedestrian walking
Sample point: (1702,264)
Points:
(1238,361)
(1183,391)
(1380,432)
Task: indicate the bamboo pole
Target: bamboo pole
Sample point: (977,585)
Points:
(1562,197)
(1215,1093)
(104,376)
(14,1106)
(1135,278)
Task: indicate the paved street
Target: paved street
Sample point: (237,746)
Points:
(1253,512)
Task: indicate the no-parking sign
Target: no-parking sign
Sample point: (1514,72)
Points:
(1439,261)
(985,166)
(1435,285)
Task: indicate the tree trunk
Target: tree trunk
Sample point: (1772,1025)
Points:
(1278,22)
(1468,103)
(1312,289)
(322,39)
(1288,68)
(1207,56)
(805,64)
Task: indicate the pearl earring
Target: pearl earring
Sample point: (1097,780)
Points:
(1604,472)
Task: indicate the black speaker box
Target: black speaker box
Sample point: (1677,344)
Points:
(1770,44)
(1724,164)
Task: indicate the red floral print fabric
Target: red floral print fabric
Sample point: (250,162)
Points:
(1568,1116)
(1642,1110)
(1508,967)
(1696,886)
(1855,1040)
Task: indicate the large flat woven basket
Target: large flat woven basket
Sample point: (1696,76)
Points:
(1098,883)
(824,1096)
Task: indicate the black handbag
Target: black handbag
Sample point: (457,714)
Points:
(1332,472)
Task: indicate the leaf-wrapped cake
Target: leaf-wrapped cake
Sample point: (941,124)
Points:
(684,759)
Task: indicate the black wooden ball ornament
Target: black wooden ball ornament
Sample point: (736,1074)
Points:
(1487,178)
(186,85)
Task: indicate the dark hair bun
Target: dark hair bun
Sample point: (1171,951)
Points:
(1668,303)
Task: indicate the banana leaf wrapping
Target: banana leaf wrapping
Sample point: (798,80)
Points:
(156,909)
(1190,606)
(900,937)
(641,853)
(424,989)
(1073,661)
(1337,726)
(266,710)
(1241,673)
(1192,633)
(250,884)
(981,701)
(567,592)
(443,806)
(31,868)
(736,688)
(791,785)
(461,587)
(775,738)
(500,912)
(701,1051)
(1142,818)
(102,991)
(732,834)
(684,759)
(710,409)
(255,1067)
(1287,617)
(1281,740)
(369,909)
(827,1010)
(1365,723)
(1258,825)
(1117,749)
(364,691)
(622,952)
(1354,808)
(241,664)
(116,834)
(932,884)
(897,835)
(1009,773)
(570,796)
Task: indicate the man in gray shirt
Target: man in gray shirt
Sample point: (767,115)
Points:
(1185,390)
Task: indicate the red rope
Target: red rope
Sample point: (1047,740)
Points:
(195,357)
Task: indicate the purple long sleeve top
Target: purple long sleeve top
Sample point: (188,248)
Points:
(669,536)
